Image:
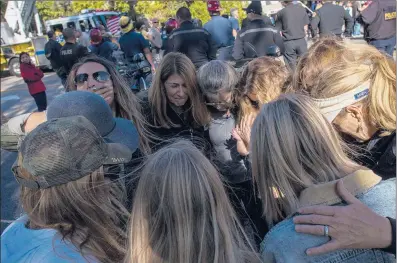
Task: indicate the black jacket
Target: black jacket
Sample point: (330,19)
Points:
(379,20)
(255,39)
(187,130)
(329,19)
(71,53)
(378,154)
(52,51)
(291,21)
(195,43)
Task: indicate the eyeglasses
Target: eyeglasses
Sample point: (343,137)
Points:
(254,103)
(100,76)
(221,106)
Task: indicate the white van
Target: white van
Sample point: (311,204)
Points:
(87,20)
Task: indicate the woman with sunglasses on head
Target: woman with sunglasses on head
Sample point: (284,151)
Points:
(32,76)
(181,212)
(73,213)
(174,105)
(262,80)
(98,75)
(297,160)
(355,87)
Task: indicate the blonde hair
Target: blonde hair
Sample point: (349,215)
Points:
(181,212)
(266,77)
(354,65)
(87,212)
(126,103)
(293,147)
(180,64)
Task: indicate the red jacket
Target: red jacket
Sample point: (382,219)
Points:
(32,76)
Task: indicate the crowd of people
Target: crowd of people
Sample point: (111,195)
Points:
(265,163)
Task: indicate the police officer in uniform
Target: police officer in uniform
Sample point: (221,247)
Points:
(379,19)
(257,38)
(71,52)
(195,43)
(329,19)
(293,22)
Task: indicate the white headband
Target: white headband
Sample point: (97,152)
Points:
(331,107)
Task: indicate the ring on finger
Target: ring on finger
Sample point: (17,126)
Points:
(326,231)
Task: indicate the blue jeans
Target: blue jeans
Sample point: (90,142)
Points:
(386,45)
(356,29)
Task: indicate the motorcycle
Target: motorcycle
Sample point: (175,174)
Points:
(272,51)
(137,72)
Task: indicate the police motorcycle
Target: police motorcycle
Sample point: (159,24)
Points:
(250,52)
(137,72)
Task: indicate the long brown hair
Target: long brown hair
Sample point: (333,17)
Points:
(181,212)
(264,76)
(180,64)
(125,100)
(87,212)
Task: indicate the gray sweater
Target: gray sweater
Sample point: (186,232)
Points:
(230,163)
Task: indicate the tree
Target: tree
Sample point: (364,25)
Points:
(3,8)
(131,10)
(51,9)
(111,4)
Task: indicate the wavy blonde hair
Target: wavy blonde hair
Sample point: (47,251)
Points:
(265,76)
(127,104)
(352,65)
(87,212)
(293,147)
(181,212)
(180,64)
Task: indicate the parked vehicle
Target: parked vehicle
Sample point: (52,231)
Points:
(35,48)
(137,73)
(88,18)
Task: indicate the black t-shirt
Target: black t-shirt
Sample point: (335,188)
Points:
(52,51)
(70,54)
(291,22)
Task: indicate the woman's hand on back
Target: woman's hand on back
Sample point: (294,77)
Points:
(244,128)
(351,226)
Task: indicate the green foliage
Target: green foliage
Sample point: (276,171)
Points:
(51,9)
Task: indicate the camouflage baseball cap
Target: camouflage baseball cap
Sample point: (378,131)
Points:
(63,150)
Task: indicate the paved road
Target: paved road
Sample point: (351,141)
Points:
(16,100)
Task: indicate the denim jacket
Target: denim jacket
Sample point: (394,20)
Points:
(283,244)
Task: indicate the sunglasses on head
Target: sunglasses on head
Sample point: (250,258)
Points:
(100,76)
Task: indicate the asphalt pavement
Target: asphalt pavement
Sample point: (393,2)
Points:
(16,100)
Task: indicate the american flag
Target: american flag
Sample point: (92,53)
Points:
(113,24)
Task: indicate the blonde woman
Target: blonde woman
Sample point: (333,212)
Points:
(262,80)
(175,106)
(73,214)
(355,88)
(306,161)
(181,212)
(98,75)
